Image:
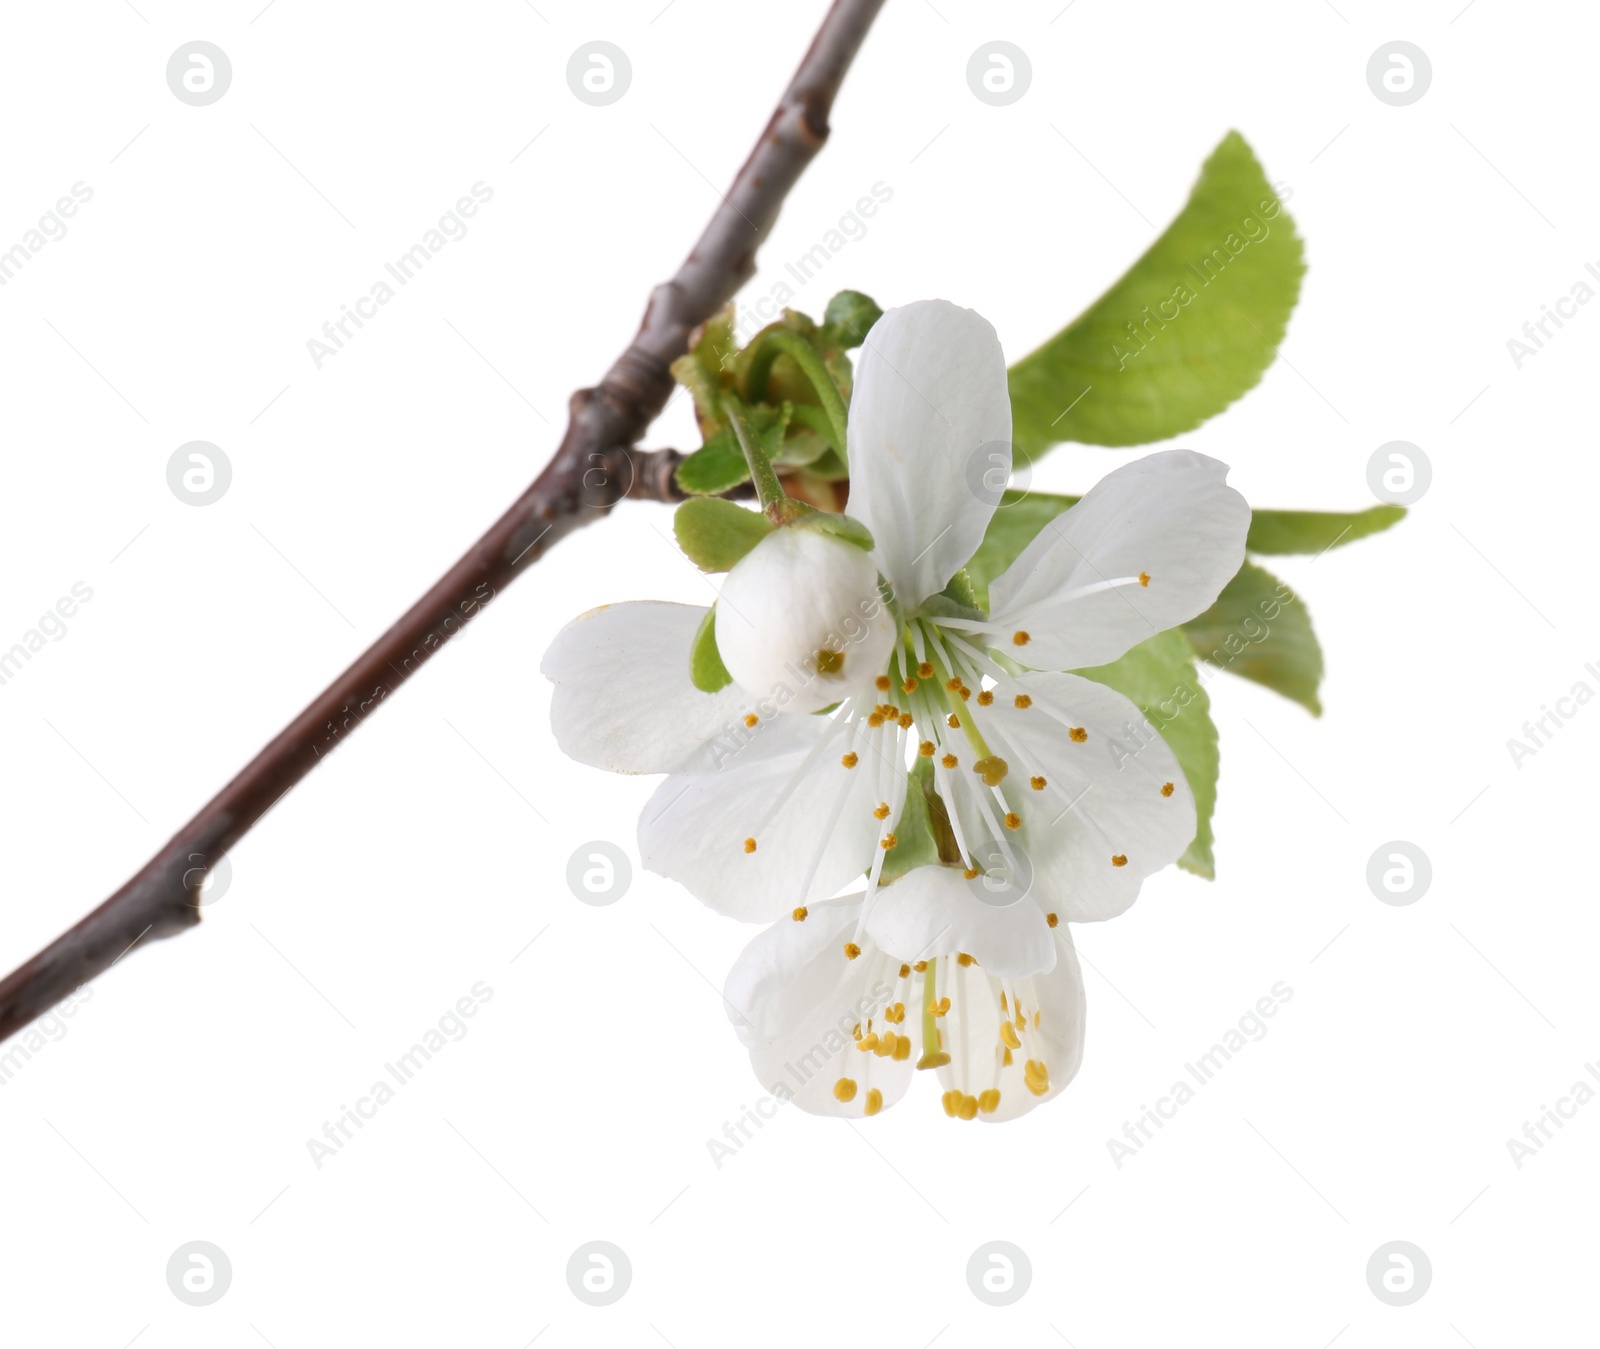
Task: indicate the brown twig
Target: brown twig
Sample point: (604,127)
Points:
(595,467)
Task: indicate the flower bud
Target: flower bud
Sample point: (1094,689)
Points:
(801,614)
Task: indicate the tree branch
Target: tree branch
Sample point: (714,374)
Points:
(594,467)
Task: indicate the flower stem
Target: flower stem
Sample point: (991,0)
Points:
(782,341)
(769,491)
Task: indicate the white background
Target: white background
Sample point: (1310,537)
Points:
(429,852)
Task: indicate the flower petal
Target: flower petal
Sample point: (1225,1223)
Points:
(932,911)
(1103,797)
(811,819)
(929,409)
(795,1000)
(971,1034)
(623,698)
(1166,529)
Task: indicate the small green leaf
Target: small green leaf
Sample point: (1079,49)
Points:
(916,832)
(717,466)
(849,317)
(1261,630)
(715,534)
(1189,327)
(1278,532)
(1159,676)
(706,669)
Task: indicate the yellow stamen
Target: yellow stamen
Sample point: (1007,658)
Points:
(949,761)
(850,760)
(937,1059)
(924,671)
(1051,919)
(799,915)
(882,812)
(882,681)
(1022,700)
(889,841)
(1077,735)
(844,1090)
(750,719)
(1021,638)
(925,749)
(989,1101)
(1166,789)
(1119,859)
(963,959)
(953,722)
(851,950)
(1038,784)
(971,874)
(904,971)
(905,721)
(992,770)
(1013,820)
(910,686)
(749,845)
(968,1109)
(985,698)
(875,720)
(1009,1035)
(874,1101)
(1144,578)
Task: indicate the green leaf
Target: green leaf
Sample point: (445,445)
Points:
(715,534)
(706,669)
(717,466)
(1260,629)
(1019,517)
(848,318)
(1159,676)
(917,830)
(1278,532)
(1188,328)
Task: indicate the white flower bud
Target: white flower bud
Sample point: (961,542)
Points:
(801,612)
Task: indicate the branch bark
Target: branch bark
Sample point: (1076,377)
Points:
(595,466)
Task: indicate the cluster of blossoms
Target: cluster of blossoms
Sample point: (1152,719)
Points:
(871,697)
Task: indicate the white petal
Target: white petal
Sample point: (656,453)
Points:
(796,594)
(971,1033)
(932,911)
(1170,516)
(1103,797)
(795,1000)
(929,409)
(623,698)
(823,836)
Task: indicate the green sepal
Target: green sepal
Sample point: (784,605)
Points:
(706,670)
(848,318)
(845,527)
(715,534)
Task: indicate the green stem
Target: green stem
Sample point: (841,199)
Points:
(769,491)
(782,341)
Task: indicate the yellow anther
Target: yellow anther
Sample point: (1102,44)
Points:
(882,812)
(970,874)
(1021,638)
(886,1044)
(920,966)
(1036,1077)
(882,681)
(965,693)
(1036,1021)
(1144,578)
(950,1100)
(867,1041)
(850,760)
(750,719)
(910,685)
(888,841)
(851,950)
(844,1090)
(1006,1061)
(1051,919)
(925,749)
(1077,735)
(902,1049)
(940,1008)
(905,970)
(989,1101)
(1013,820)
(1022,700)
(1038,784)
(1119,859)
(1166,789)
(905,721)
(963,959)
(985,698)
(968,1109)
(799,915)
(874,1101)
(749,845)
(953,722)
(875,720)
(953,684)
(933,1059)
(992,770)
(924,670)
(949,761)
(1009,1035)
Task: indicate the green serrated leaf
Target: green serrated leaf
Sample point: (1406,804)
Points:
(1261,630)
(717,466)
(1279,532)
(706,670)
(1188,328)
(715,534)
(1160,677)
